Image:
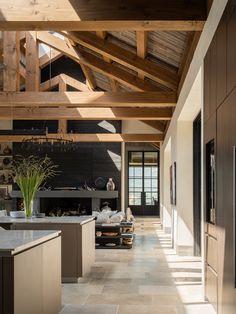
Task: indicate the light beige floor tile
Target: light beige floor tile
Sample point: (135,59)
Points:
(90,309)
(195,309)
(73,297)
(142,309)
(159,300)
(83,289)
(149,278)
(159,290)
(120,299)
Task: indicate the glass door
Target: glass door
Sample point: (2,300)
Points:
(143,185)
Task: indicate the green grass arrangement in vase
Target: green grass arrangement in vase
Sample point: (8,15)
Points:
(29,173)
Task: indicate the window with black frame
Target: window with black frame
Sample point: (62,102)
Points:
(143,182)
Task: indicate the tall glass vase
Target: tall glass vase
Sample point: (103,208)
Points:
(28,206)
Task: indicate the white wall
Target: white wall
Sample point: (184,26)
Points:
(165,206)
(135,127)
(184,184)
(179,149)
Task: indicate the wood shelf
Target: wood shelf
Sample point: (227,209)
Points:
(118,227)
(121,236)
(101,247)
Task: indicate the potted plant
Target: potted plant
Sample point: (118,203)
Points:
(29,173)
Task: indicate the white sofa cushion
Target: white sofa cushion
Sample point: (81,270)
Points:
(103,218)
(118,217)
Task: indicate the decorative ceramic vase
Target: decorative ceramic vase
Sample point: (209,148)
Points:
(110,185)
(7,150)
(28,207)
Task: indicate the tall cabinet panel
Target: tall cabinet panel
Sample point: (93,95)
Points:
(226,140)
(231,49)
(220,142)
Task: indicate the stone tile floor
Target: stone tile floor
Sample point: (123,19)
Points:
(148,279)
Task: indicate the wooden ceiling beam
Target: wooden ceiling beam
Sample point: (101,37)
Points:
(90,113)
(126,58)
(141,39)
(95,63)
(86,99)
(47,85)
(89,77)
(98,137)
(115,72)
(68,80)
(113,83)
(187,57)
(90,80)
(103,15)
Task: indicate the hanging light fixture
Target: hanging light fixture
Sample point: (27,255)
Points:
(46,141)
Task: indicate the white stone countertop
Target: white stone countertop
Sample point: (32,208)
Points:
(16,241)
(53,220)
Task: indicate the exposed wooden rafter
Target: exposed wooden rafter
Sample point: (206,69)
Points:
(49,84)
(114,84)
(90,113)
(95,63)
(141,39)
(126,58)
(102,15)
(70,81)
(99,137)
(87,99)
(90,80)
(187,57)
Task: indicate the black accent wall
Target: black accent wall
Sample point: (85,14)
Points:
(87,162)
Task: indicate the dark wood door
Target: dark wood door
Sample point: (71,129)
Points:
(143,186)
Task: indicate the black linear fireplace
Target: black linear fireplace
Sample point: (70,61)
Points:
(68,202)
(66,206)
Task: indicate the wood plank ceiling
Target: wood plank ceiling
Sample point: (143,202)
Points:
(133,64)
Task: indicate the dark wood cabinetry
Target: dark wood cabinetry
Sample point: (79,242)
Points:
(220,127)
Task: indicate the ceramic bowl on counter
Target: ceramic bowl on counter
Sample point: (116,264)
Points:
(17,214)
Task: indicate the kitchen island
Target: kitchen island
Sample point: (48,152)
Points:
(78,240)
(28,283)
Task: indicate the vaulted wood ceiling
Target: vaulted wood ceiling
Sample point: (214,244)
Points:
(133,54)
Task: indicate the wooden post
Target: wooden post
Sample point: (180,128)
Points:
(32,62)
(17,48)
(62,123)
(10,62)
